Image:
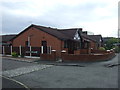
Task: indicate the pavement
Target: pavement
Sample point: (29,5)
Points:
(50,74)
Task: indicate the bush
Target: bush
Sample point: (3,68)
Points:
(14,54)
(117,49)
(101,48)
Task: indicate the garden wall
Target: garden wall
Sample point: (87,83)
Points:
(51,56)
(88,57)
(98,51)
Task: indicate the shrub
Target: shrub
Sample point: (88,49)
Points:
(14,54)
(101,48)
(117,49)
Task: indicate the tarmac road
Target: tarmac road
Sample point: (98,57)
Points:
(90,75)
(11,83)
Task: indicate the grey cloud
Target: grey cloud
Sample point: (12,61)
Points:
(61,16)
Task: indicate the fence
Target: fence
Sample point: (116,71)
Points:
(26,51)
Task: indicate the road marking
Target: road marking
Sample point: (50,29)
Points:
(24,70)
(17,82)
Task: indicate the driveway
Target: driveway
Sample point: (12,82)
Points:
(92,75)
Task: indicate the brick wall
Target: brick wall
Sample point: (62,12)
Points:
(82,51)
(98,51)
(93,45)
(51,56)
(88,57)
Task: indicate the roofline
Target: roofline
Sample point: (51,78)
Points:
(37,27)
(90,39)
(47,32)
(22,32)
(69,29)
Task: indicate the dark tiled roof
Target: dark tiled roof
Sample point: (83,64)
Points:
(70,32)
(88,37)
(52,31)
(96,37)
(62,34)
(6,38)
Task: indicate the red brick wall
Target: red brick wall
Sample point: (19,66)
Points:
(51,56)
(36,39)
(82,51)
(77,52)
(98,51)
(93,45)
(87,57)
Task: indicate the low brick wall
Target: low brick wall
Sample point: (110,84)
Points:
(77,52)
(98,51)
(88,57)
(82,51)
(51,56)
(47,57)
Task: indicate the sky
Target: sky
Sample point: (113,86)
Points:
(97,16)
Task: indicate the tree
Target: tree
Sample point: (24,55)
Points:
(110,43)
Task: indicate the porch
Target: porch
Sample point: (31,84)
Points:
(77,47)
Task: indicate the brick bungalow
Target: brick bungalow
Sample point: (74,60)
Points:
(58,39)
(98,39)
(5,39)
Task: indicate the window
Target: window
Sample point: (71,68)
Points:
(65,44)
(44,43)
(27,44)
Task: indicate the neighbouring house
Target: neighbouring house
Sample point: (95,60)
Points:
(98,39)
(5,39)
(57,39)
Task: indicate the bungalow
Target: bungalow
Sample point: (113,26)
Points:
(5,39)
(98,39)
(57,39)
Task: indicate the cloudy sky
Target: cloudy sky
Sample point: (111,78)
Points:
(97,16)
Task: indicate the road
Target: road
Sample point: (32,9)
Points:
(37,75)
(11,83)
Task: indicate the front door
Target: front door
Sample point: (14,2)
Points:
(44,44)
